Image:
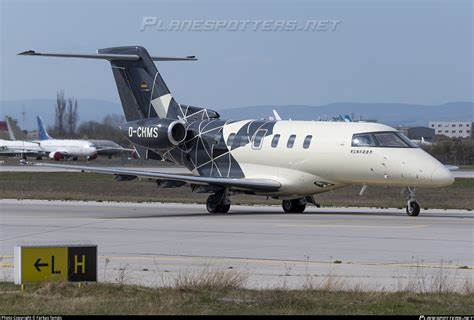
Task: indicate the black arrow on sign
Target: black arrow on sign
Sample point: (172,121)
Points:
(38,264)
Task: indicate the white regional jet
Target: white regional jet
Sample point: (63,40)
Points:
(287,160)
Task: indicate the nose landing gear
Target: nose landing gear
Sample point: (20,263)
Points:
(218,202)
(413,208)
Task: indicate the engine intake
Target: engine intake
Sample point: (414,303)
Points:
(155,133)
(56,155)
(176,132)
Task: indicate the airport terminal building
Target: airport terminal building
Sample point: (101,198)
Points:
(416,133)
(453,129)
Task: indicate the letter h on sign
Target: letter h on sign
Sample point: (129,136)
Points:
(82,264)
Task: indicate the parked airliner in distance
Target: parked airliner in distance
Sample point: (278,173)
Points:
(14,147)
(20,148)
(59,149)
(287,160)
(46,146)
(74,148)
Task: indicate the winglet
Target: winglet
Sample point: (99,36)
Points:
(276,115)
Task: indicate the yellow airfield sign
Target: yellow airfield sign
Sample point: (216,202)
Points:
(55,263)
(44,264)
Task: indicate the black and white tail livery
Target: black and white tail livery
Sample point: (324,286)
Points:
(142,90)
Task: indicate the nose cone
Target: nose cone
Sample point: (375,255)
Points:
(441,176)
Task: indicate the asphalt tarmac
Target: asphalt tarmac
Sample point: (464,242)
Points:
(153,244)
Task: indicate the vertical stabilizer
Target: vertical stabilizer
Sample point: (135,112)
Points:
(42,133)
(142,90)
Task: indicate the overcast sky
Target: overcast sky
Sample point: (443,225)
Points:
(381,51)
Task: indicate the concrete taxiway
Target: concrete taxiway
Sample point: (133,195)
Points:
(152,244)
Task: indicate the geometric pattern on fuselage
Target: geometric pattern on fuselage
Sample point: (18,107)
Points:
(206,151)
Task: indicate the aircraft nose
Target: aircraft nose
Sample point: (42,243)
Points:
(441,176)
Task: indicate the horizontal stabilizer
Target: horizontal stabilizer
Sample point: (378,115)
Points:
(109,56)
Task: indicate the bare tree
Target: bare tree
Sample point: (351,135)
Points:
(113,120)
(72,116)
(107,129)
(453,151)
(60,111)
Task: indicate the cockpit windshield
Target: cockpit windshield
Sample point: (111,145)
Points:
(388,139)
(363,140)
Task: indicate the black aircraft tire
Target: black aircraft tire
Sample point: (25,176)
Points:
(413,209)
(293,206)
(287,206)
(212,204)
(224,208)
(300,208)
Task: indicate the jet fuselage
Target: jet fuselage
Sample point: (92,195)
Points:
(306,157)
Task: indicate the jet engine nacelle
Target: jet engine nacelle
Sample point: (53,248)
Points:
(56,155)
(155,133)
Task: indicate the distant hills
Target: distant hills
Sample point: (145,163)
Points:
(389,113)
(393,114)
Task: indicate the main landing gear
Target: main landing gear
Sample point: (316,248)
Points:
(294,205)
(298,205)
(218,202)
(413,208)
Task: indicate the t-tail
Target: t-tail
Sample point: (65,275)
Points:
(146,99)
(142,90)
(42,133)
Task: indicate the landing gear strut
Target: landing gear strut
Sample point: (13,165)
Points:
(413,208)
(218,202)
(294,205)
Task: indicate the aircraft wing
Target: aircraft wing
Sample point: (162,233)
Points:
(115,149)
(8,149)
(240,183)
(451,168)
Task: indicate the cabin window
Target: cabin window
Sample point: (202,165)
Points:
(258,139)
(244,140)
(291,141)
(230,139)
(307,141)
(363,140)
(275,140)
